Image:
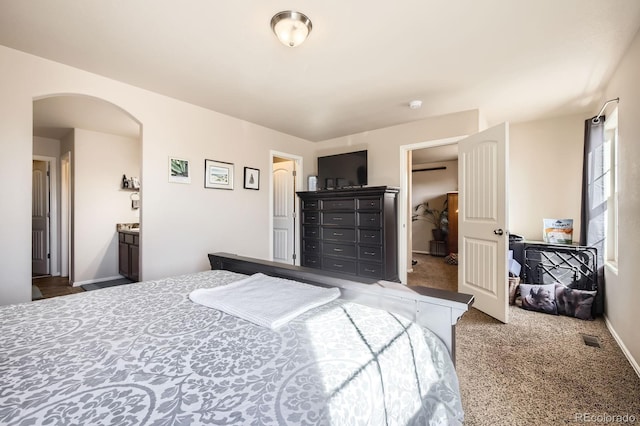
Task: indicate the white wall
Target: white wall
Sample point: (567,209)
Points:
(182,223)
(545,173)
(623,291)
(430,186)
(99,203)
(384,144)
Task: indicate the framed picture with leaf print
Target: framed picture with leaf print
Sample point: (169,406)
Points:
(179,170)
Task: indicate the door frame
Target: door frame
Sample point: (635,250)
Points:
(404,219)
(297,159)
(66,246)
(54,265)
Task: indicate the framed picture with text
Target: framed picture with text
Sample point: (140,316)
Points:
(251,178)
(218,174)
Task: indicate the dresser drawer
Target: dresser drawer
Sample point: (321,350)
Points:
(370,270)
(311,217)
(339,234)
(310,204)
(370,253)
(338,204)
(342,250)
(370,236)
(311,247)
(310,231)
(339,265)
(369,204)
(311,261)
(343,219)
(369,219)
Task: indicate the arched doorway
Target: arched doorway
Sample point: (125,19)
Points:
(91,143)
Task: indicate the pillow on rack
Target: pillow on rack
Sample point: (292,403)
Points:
(539,297)
(573,302)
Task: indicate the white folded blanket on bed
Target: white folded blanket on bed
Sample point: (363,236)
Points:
(264,300)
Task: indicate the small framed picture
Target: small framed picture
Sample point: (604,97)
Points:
(251,178)
(218,174)
(179,171)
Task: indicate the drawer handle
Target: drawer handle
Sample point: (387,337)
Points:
(338,266)
(372,219)
(337,234)
(337,218)
(338,250)
(369,270)
(369,236)
(311,261)
(372,203)
(369,253)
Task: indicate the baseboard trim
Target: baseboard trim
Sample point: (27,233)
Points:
(620,343)
(97,280)
(420,252)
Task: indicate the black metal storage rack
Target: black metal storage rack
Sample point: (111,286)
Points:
(574,266)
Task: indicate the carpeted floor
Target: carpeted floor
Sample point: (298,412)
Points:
(433,271)
(536,370)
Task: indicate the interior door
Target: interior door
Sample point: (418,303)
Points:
(284,198)
(483,220)
(40,219)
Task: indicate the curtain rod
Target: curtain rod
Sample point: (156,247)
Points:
(596,119)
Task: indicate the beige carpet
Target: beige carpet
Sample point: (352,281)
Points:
(536,370)
(433,271)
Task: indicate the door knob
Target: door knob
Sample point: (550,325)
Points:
(498,231)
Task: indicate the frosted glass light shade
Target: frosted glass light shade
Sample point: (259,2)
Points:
(291,28)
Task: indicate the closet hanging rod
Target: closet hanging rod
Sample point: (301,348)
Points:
(596,119)
(429,169)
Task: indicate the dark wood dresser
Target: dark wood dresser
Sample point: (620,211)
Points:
(352,231)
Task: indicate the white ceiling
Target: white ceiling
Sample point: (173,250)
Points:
(364,61)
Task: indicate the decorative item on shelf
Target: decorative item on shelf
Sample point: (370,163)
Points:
(439,218)
(132,183)
(251,178)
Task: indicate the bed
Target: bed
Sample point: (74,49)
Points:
(144,353)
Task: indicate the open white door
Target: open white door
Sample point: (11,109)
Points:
(284,199)
(40,219)
(483,220)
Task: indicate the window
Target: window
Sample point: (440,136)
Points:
(610,155)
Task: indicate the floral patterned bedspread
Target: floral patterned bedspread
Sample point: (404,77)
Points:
(145,354)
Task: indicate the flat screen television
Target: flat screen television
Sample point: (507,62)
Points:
(342,170)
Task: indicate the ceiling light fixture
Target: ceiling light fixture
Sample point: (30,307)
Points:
(415,104)
(291,28)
